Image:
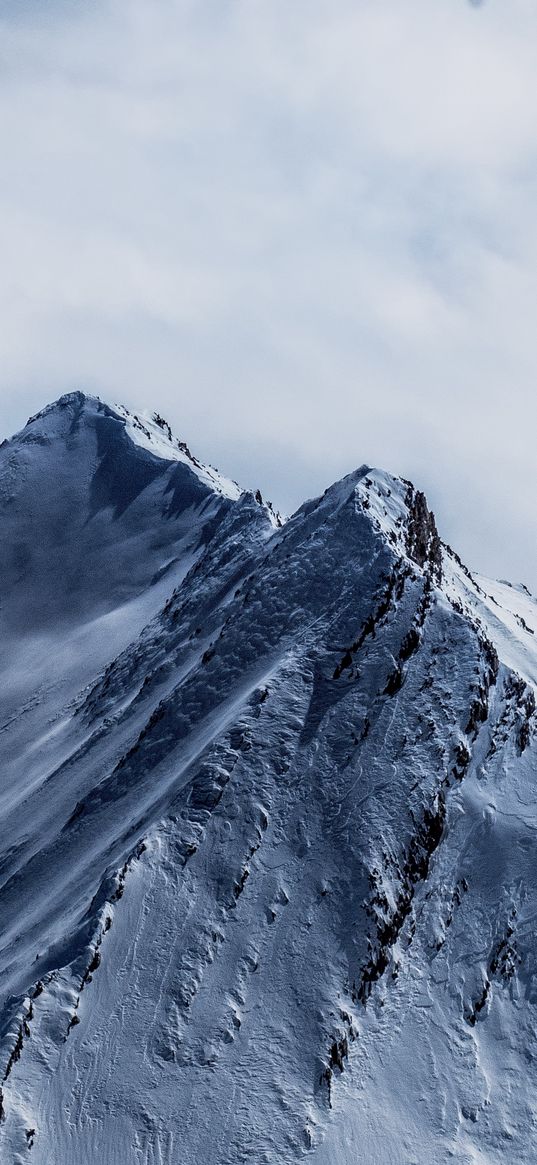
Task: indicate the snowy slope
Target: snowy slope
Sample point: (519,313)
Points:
(268,819)
(101,514)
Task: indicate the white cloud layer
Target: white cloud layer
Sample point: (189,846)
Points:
(305,231)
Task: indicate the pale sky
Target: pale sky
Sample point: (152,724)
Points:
(303,230)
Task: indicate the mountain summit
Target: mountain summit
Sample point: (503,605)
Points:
(96,504)
(267,852)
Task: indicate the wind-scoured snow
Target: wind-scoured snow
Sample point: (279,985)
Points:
(151,432)
(269,824)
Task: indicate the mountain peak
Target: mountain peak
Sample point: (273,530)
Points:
(267,814)
(70,400)
(98,502)
(147,432)
(402,513)
(395,511)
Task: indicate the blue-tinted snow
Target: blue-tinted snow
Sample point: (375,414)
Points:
(268,819)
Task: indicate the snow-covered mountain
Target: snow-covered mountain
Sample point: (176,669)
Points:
(268,818)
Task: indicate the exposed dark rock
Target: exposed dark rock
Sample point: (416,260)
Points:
(394,682)
(423,541)
(390,920)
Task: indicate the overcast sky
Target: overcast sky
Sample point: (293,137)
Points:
(303,230)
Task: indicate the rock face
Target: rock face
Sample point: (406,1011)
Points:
(267,852)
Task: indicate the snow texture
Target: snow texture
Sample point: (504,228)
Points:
(268,818)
